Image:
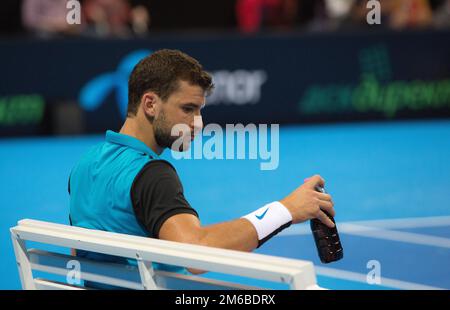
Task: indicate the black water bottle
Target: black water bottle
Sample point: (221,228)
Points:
(327,239)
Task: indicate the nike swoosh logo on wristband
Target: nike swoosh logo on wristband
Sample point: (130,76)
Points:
(260,217)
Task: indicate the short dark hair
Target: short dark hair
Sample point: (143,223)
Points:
(161,72)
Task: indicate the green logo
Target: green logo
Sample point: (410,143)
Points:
(21,110)
(375,92)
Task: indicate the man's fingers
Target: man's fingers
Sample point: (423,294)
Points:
(327,206)
(325,219)
(314,181)
(322,196)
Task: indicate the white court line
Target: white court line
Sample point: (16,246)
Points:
(362,278)
(374,229)
(412,222)
(401,236)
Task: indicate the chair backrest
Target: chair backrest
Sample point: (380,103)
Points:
(297,274)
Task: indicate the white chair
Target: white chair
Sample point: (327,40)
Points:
(297,274)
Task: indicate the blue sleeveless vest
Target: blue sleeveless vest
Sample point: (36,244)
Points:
(100,185)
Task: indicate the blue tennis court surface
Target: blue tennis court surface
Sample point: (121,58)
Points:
(390,183)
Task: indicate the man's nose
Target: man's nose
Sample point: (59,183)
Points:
(198,123)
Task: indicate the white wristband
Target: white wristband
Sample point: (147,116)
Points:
(270,219)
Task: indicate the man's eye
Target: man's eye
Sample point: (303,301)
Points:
(188,110)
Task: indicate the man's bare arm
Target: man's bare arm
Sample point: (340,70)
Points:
(304,203)
(237,235)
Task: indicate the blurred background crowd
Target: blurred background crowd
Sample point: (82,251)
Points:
(131,18)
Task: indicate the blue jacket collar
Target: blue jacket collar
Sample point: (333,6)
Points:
(129,141)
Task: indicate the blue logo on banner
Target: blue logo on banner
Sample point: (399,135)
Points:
(95,92)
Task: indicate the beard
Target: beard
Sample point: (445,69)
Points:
(164,137)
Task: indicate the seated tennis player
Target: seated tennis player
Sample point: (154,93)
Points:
(122,186)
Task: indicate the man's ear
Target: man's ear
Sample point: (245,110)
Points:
(149,104)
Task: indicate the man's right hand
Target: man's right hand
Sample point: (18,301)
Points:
(306,203)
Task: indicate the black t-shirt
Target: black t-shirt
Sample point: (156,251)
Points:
(156,195)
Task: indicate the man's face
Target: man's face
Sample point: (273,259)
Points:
(179,109)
